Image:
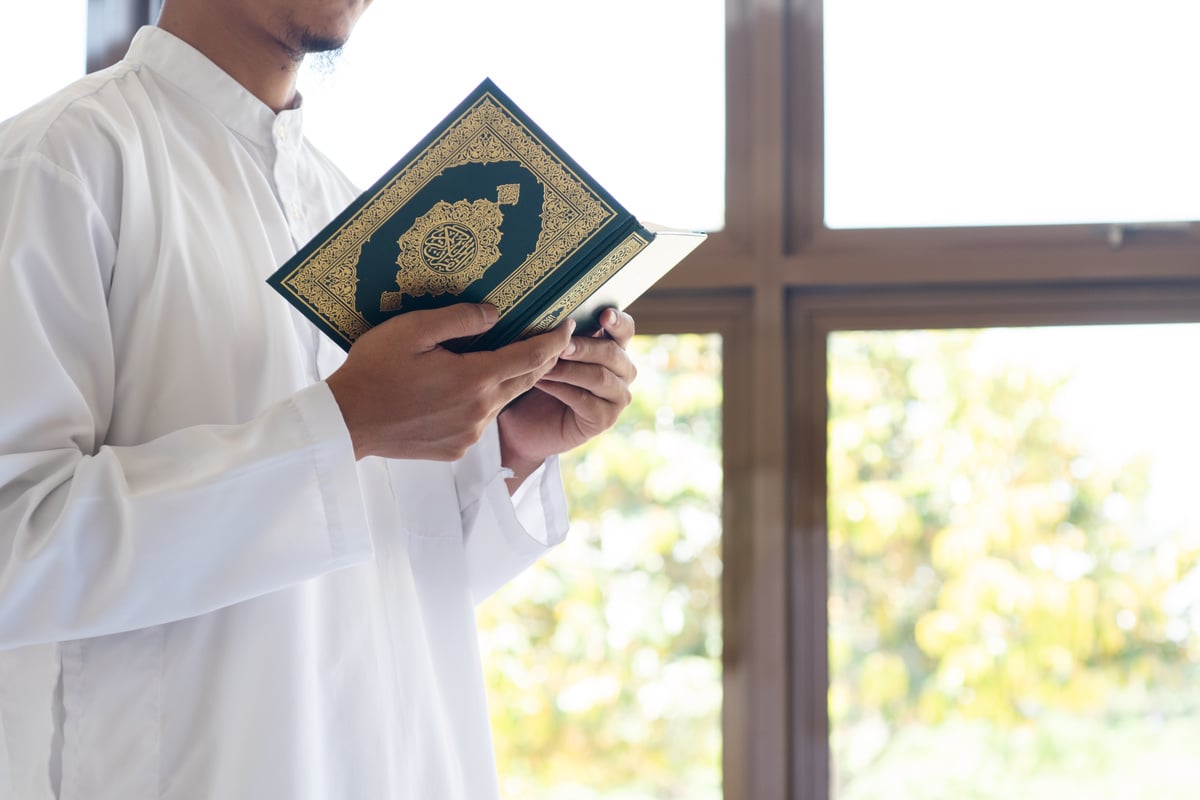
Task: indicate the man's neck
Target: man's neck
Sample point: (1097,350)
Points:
(254,58)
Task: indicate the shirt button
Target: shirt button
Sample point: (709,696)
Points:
(296,213)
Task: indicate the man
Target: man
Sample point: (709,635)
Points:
(233,563)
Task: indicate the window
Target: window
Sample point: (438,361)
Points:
(46,48)
(633,90)
(1012,112)
(1014,555)
(603,662)
(1003,577)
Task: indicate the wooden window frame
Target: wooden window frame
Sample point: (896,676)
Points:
(804,281)
(813,317)
(744,631)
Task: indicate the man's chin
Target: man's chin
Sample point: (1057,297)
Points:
(322,45)
(303,41)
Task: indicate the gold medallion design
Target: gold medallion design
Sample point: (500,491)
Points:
(450,247)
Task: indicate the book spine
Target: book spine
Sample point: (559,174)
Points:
(562,296)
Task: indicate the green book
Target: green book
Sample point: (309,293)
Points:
(485,209)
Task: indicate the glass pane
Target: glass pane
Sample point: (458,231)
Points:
(1010,112)
(603,663)
(634,90)
(46,50)
(1014,607)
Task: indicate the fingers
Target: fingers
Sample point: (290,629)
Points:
(429,328)
(513,388)
(590,411)
(618,325)
(607,353)
(580,396)
(403,396)
(595,369)
(534,355)
(592,379)
(602,382)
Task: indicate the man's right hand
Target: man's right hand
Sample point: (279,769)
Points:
(403,395)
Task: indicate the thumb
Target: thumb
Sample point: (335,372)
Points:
(436,325)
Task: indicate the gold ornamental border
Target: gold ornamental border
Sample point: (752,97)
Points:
(620,255)
(572,212)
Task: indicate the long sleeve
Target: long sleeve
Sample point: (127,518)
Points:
(98,539)
(505,534)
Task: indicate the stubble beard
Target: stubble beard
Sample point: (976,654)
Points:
(302,41)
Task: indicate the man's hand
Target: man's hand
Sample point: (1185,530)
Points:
(583,395)
(403,395)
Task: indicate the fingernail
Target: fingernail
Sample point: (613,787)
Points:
(570,325)
(490,313)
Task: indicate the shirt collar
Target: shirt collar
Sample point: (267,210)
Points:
(208,84)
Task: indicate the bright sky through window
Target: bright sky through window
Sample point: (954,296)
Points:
(633,89)
(1010,112)
(45,49)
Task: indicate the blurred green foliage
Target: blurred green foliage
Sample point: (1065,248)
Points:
(993,587)
(602,662)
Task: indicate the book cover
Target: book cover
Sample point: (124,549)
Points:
(487,208)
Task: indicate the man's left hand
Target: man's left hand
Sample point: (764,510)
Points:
(580,397)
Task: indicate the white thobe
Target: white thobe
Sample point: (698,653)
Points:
(202,594)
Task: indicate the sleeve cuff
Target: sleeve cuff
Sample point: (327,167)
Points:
(504,535)
(541,505)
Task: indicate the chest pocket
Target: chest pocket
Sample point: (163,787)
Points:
(426,499)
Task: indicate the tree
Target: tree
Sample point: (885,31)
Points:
(983,566)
